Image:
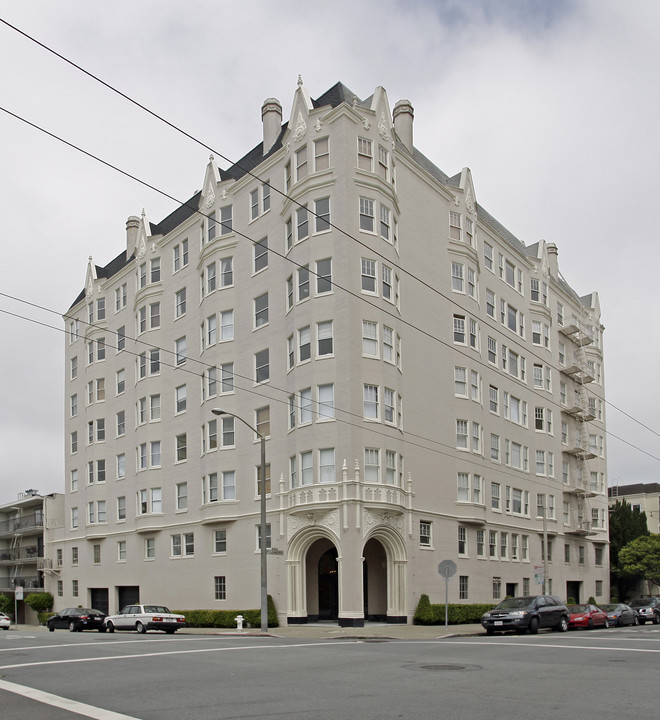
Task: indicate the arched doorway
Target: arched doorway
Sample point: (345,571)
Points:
(374,581)
(328,585)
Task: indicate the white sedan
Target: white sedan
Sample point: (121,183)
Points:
(5,621)
(145,617)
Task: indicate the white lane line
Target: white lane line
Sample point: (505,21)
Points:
(599,648)
(74,706)
(138,656)
(91,643)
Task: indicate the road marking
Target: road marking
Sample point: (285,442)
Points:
(74,706)
(331,643)
(91,643)
(599,648)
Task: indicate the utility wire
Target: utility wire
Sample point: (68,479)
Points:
(196,140)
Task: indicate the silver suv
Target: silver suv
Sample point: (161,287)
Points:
(646,609)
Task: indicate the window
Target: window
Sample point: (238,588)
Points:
(369,338)
(367,217)
(372,465)
(326,402)
(455,226)
(495,491)
(181,447)
(74,588)
(457,277)
(301,162)
(463,494)
(121,507)
(459,329)
(370,401)
(219,541)
(323,276)
(220,587)
(227,377)
(121,466)
(121,551)
(262,421)
(365,154)
(481,543)
(302,224)
(180,255)
(462,540)
(424,534)
(497,588)
(268,537)
(74,550)
(462,434)
(306,468)
(226,219)
(368,275)
(180,303)
(324,338)
(261,310)
(180,350)
(305,406)
(261,255)
(321,154)
(492,543)
(303,283)
(121,338)
(385,223)
(322,212)
(226,272)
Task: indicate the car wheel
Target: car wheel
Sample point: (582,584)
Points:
(641,621)
(563,625)
(51,628)
(635,621)
(170,632)
(656,619)
(111,627)
(140,628)
(533,626)
(72,627)
(590,624)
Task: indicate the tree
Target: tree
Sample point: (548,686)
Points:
(39,602)
(626,524)
(641,559)
(6,604)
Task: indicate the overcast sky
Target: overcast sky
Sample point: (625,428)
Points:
(553,105)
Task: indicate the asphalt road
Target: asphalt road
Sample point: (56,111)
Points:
(604,674)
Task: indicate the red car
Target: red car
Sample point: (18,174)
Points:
(586,616)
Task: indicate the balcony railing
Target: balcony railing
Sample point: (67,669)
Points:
(26,523)
(29,582)
(31,553)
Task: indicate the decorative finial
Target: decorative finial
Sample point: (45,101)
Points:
(143,213)
(211,158)
(300,82)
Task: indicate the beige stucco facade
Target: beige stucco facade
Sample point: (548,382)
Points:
(426,382)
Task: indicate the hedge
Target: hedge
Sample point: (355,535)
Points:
(428,614)
(227,618)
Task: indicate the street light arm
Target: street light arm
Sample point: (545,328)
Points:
(219,411)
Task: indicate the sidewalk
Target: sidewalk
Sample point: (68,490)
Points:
(330,631)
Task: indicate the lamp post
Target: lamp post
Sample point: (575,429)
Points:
(262,524)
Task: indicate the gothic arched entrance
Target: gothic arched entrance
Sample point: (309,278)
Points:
(374,573)
(328,585)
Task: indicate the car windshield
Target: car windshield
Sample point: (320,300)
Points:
(515,603)
(578,609)
(155,609)
(641,602)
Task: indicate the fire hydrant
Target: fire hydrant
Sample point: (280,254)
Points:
(239,622)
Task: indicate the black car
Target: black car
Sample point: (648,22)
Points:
(646,609)
(77,620)
(527,613)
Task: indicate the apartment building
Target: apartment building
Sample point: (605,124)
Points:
(24,527)
(430,388)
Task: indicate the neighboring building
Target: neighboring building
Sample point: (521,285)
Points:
(427,383)
(644,496)
(24,527)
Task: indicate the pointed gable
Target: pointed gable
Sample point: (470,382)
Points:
(211,180)
(90,278)
(381,108)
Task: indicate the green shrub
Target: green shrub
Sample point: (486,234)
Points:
(6,604)
(227,618)
(457,614)
(39,602)
(591,600)
(43,617)
(571,601)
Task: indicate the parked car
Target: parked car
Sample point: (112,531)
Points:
(586,616)
(5,621)
(145,617)
(77,620)
(527,613)
(619,614)
(646,609)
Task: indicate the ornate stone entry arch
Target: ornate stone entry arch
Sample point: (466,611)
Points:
(385,590)
(313,551)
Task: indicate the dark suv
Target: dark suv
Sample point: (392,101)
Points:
(527,613)
(646,609)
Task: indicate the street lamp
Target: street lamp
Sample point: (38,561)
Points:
(264,549)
